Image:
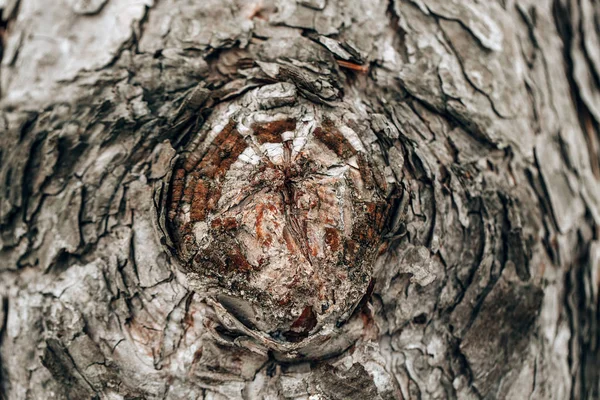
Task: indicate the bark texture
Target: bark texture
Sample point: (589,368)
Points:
(310,199)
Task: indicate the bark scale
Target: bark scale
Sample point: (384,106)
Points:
(482,283)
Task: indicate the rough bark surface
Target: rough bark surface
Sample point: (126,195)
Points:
(310,199)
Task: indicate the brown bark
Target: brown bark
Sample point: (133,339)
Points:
(299,199)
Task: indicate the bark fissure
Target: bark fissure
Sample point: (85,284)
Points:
(374,199)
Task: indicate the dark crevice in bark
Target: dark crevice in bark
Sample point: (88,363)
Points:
(538,187)
(465,75)
(132,251)
(589,125)
(3,328)
(465,27)
(457,121)
(62,366)
(137,36)
(6,18)
(32,169)
(583,319)
(475,210)
(3,28)
(543,185)
(399,40)
(584,50)
(572,313)
(583,359)
(63,261)
(129,44)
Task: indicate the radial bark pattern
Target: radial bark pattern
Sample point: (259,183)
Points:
(279,199)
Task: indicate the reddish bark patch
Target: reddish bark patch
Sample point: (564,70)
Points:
(314,251)
(289,241)
(192,160)
(197,356)
(302,326)
(190,186)
(351,249)
(198,209)
(225,224)
(237,261)
(369,228)
(204,187)
(226,257)
(332,239)
(366,171)
(334,140)
(262,236)
(214,196)
(223,152)
(270,132)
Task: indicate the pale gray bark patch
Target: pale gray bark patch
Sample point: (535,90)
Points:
(486,114)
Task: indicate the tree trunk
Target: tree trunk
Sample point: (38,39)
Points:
(310,199)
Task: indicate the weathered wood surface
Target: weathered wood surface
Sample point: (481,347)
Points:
(138,259)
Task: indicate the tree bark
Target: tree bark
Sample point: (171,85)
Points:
(434,221)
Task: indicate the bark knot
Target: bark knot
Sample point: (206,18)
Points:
(284,215)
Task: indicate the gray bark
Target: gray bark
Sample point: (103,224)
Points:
(484,116)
